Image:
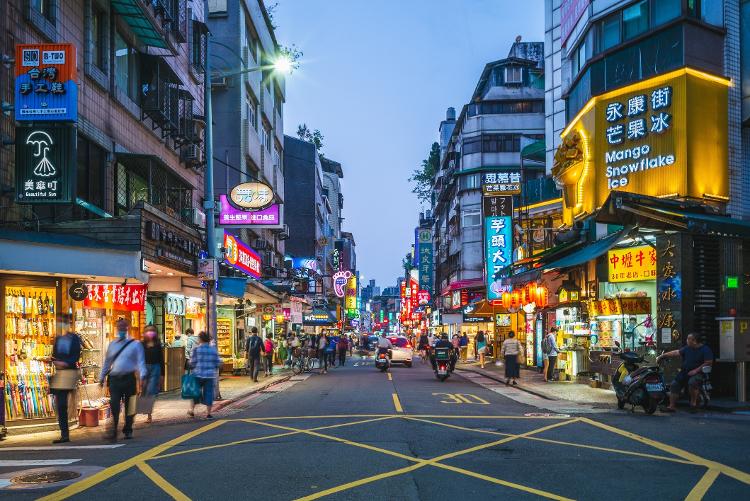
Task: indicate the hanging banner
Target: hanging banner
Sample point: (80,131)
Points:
(129,297)
(240,256)
(46,164)
(45,88)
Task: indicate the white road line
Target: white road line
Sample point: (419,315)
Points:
(36,462)
(60,447)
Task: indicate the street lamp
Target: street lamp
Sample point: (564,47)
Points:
(282,64)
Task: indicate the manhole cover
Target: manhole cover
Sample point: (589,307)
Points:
(47,477)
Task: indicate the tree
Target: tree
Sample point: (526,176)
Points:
(315,137)
(423,176)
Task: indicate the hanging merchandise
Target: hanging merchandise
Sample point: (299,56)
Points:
(29,337)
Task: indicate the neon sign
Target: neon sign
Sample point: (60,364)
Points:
(340,278)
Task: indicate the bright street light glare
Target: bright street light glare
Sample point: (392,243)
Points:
(283,65)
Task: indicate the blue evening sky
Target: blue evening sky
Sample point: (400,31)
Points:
(376,79)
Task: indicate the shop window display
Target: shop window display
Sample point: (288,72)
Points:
(30,329)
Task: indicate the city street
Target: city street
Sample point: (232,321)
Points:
(357,433)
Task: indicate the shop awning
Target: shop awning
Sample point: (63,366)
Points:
(471,283)
(658,213)
(589,252)
(260,294)
(38,253)
(140,23)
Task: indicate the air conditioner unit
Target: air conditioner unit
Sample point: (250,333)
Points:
(219,82)
(199,218)
(192,154)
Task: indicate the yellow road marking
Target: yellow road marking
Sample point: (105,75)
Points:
(258,439)
(505,483)
(558,442)
(390,377)
(397,403)
(423,462)
(701,488)
(461,398)
(113,470)
(712,465)
(161,482)
(433,416)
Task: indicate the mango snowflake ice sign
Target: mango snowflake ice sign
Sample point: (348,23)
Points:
(45,164)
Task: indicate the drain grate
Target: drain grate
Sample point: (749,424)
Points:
(46,477)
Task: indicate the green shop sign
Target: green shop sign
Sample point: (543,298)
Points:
(46,164)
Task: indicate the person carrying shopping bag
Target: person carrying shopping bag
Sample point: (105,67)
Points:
(204,365)
(154,355)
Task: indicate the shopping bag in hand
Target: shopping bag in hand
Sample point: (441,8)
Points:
(190,387)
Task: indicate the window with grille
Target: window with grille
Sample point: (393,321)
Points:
(143,180)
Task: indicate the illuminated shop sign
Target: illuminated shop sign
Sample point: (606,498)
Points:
(498,247)
(251,196)
(240,256)
(632,264)
(45,87)
(662,137)
(501,183)
(46,164)
(229,215)
(340,278)
(128,297)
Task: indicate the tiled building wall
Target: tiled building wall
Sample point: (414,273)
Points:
(739,205)
(554,105)
(103,119)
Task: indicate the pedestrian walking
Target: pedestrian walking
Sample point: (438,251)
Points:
(66,353)
(342,346)
(480,343)
(154,357)
(205,364)
(253,348)
(549,346)
(268,348)
(191,342)
(511,350)
(322,356)
(331,351)
(124,359)
(464,345)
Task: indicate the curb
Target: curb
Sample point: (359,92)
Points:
(225,403)
(518,387)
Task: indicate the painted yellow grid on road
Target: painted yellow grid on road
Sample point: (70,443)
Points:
(160,452)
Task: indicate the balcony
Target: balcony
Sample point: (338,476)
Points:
(161,95)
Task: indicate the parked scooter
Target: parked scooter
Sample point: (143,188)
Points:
(383,360)
(443,367)
(704,392)
(638,386)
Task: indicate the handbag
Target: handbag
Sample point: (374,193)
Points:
(519,356)
(145,404)
(190,387)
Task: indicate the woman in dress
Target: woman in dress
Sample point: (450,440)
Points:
(510,350)
(481,343)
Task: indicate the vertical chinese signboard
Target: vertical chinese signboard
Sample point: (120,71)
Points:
(46,88)
(46,107)
(669,290)
(46,164)
(498,248)
(425,259)
(350,299)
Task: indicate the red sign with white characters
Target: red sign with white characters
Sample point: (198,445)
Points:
(414,286)
(423,297)
(240,256)
(118,297)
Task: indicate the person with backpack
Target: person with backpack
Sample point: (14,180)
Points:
(253,347)
(551,350)
(268,350)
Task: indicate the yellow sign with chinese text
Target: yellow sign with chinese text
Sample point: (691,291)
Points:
(350,302)
(631,264)
(661,137)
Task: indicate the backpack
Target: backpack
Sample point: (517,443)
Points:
(254,346)
(546,345)
(269,346)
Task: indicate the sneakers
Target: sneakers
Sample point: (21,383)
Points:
(62,440)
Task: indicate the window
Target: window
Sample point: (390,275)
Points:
(166,192)
(471,218)
(98,37)
(127,69)
(90,174)
(712,12)
(580,58)
(610,32)
(196,37)
(470,182)
(505,107)
(664,10)
(44,7)
(472,145)
(251,111)
(635,20)
(513,74)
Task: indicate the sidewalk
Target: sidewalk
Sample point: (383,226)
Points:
(532,382)
(169,408)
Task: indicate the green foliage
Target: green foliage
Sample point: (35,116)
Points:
(315,137)
(422,177)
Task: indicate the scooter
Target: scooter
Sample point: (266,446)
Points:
(704,392)
(638,386)
(442,363)
(383,361)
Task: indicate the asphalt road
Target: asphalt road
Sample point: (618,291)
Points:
(357,433)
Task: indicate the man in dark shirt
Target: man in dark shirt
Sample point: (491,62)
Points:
(253,347)
(65,355)
(443,342)
(695,355)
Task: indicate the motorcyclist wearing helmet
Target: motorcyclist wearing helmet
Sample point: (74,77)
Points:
(444,342)
(384,345)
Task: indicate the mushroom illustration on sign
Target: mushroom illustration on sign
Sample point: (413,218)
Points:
(43,142)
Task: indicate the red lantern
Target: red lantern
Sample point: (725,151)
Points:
(542,296)
(531,293)
(506,299)
(515,299)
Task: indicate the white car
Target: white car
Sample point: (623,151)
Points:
(402,350)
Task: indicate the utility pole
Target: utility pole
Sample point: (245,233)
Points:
(209,203)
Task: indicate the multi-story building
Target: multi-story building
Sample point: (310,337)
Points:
(130,164)
(647,136)
(332,175)
(248,110)
(505,114)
